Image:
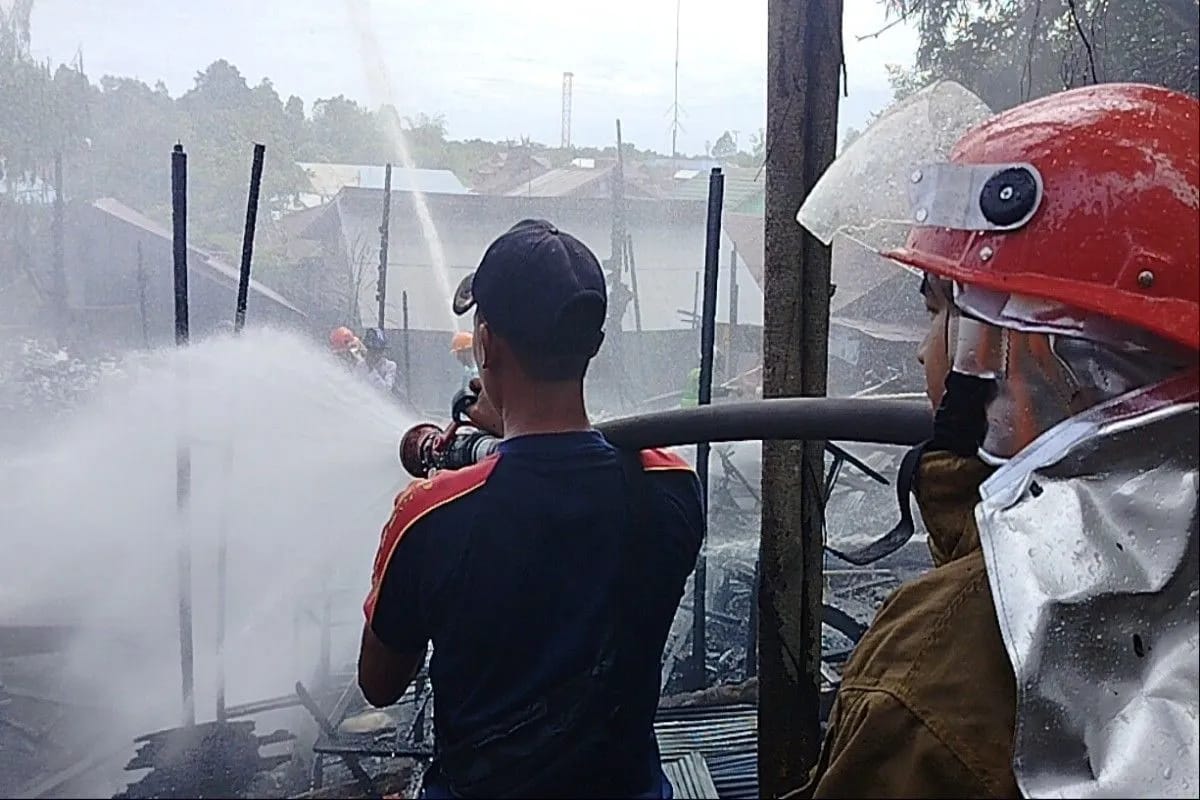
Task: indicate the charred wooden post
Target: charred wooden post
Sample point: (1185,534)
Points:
(239,322)
(803,70)
(407,348)
(708,332)
(60,268)
(256,168)
(384,227)
(142,282)
(633,282)
(183,455)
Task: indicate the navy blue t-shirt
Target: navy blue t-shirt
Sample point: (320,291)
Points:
(509,568)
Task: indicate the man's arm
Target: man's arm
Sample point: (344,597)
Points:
(394,638)
(384,674)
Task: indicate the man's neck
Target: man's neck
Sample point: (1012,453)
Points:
(552,410)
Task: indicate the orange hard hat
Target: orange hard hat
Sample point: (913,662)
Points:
(462,340)
(342,339)
(1104,222)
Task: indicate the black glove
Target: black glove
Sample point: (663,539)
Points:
(960,423)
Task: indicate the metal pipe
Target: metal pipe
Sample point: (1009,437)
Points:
(384,227)
(708,330)
(407,351)
(183,455)
(256,168)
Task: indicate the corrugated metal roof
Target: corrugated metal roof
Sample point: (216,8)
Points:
(709,730)
(735,775)
(559,182)
(196,258)
(727,737)
(742,185)
(328,179)
(689,776)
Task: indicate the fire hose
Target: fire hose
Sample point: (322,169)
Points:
(426,447)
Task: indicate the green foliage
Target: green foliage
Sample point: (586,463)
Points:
(1010,51)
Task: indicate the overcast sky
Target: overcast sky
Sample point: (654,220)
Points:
(493,69)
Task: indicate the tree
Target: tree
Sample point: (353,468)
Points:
(725,146)
(1009,51)
(342,130)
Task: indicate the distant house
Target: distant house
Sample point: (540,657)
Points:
(328,179)
(589,178)
(668,244)
(111,303)
(744,188)
(506,170)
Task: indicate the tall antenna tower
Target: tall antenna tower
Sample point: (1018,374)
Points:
(568,78)
(675,104)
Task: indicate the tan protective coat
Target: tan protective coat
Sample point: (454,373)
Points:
(927,702)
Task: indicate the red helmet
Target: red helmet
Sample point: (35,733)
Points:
(1106,222)
(342,339)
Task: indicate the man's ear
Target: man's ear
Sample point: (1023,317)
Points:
(483,345)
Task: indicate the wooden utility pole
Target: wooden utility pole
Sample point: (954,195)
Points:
(803,71)
(60,269)
(384,229)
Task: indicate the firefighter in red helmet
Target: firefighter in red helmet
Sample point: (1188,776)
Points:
(1051,651)
(346,346)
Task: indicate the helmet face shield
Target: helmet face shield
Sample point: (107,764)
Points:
(864,195)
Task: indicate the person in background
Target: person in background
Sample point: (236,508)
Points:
(462,347)
(346,346)
(546,576)
(380,370)
(691,389)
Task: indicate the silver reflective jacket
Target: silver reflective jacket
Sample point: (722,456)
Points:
(1090,538)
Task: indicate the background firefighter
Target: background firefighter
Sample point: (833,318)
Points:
(346,346)
(462,347)
(1060,249)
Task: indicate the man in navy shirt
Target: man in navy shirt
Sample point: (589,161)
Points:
(547,639)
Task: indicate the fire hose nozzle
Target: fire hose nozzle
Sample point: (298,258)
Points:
(425,448)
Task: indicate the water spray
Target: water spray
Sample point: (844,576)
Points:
(239,322)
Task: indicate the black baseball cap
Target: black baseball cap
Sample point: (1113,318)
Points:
(540,288)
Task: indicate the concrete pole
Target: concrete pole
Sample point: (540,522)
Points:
(803,72)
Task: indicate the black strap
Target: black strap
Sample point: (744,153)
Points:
(899,535)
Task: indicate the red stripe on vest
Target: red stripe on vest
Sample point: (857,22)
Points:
(420,498)
(653,460)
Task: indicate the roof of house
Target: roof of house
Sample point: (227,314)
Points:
(743,187)
(197,258)
(585,181)
(328,179)
(506,170)
(559,182)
